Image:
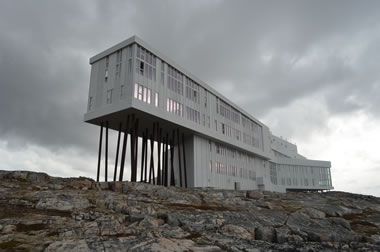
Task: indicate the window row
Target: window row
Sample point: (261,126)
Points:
(273,173)
(146,95)
(146,56)
(252,140)
(118,66)
(232,170)
(193,115)
(175,80)
(227,111)
(249,124)
(231,153)
(300,174)
(146,63)
(192,90)
(174,107)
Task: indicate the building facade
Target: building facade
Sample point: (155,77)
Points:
(183,132)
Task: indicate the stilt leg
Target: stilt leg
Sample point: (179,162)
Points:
(117,152)
(179,158)
(166,160)
(124,150)
(159,180)
(134,139)
(146,156)
(172,177)
(106,156)
(142,157)
(100,151)
(184,158)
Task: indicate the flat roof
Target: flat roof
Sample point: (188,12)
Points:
(137,40)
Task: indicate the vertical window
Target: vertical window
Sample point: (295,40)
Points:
(90,101)
(122,90)
(162,73)
(106,69)
(148,96)
(144,94)
(118,63)
(109,96)
(136,90)
(141,94)
(130,65)
(205,98)
(156,99)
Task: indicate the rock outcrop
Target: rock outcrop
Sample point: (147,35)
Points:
(39,212)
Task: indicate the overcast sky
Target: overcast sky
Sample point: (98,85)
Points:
(308,69)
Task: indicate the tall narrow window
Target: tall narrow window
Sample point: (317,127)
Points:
(148,96)
(106,69)
(119,58)
(90,101)
(156,99)
(141,93)
(130,65)
(136,91)
(109,96)
(122,90)
(162,73)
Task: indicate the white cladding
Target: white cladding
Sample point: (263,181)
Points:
(227,148)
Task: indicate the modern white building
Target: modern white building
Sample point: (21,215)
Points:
(183,132)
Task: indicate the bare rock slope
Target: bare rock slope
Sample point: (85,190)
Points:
(39,212)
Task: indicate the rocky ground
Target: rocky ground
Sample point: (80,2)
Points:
(39,212)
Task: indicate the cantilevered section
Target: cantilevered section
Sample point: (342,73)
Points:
(202,138)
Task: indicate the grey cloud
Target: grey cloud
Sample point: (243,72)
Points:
(45,47)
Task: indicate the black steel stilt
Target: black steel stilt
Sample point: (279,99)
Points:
(124,150)
(146,156)
(100,151)
(159,130)
(137,146)
(151,164)
(163,162)
(172,177)
(134,145)
(142,157)
(117,152)
(106,155)
(179,158)
(166,159)
(184,158)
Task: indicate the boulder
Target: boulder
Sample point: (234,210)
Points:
(63,202)
(265,234)
(254,195)
(68,245)
(237,232)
